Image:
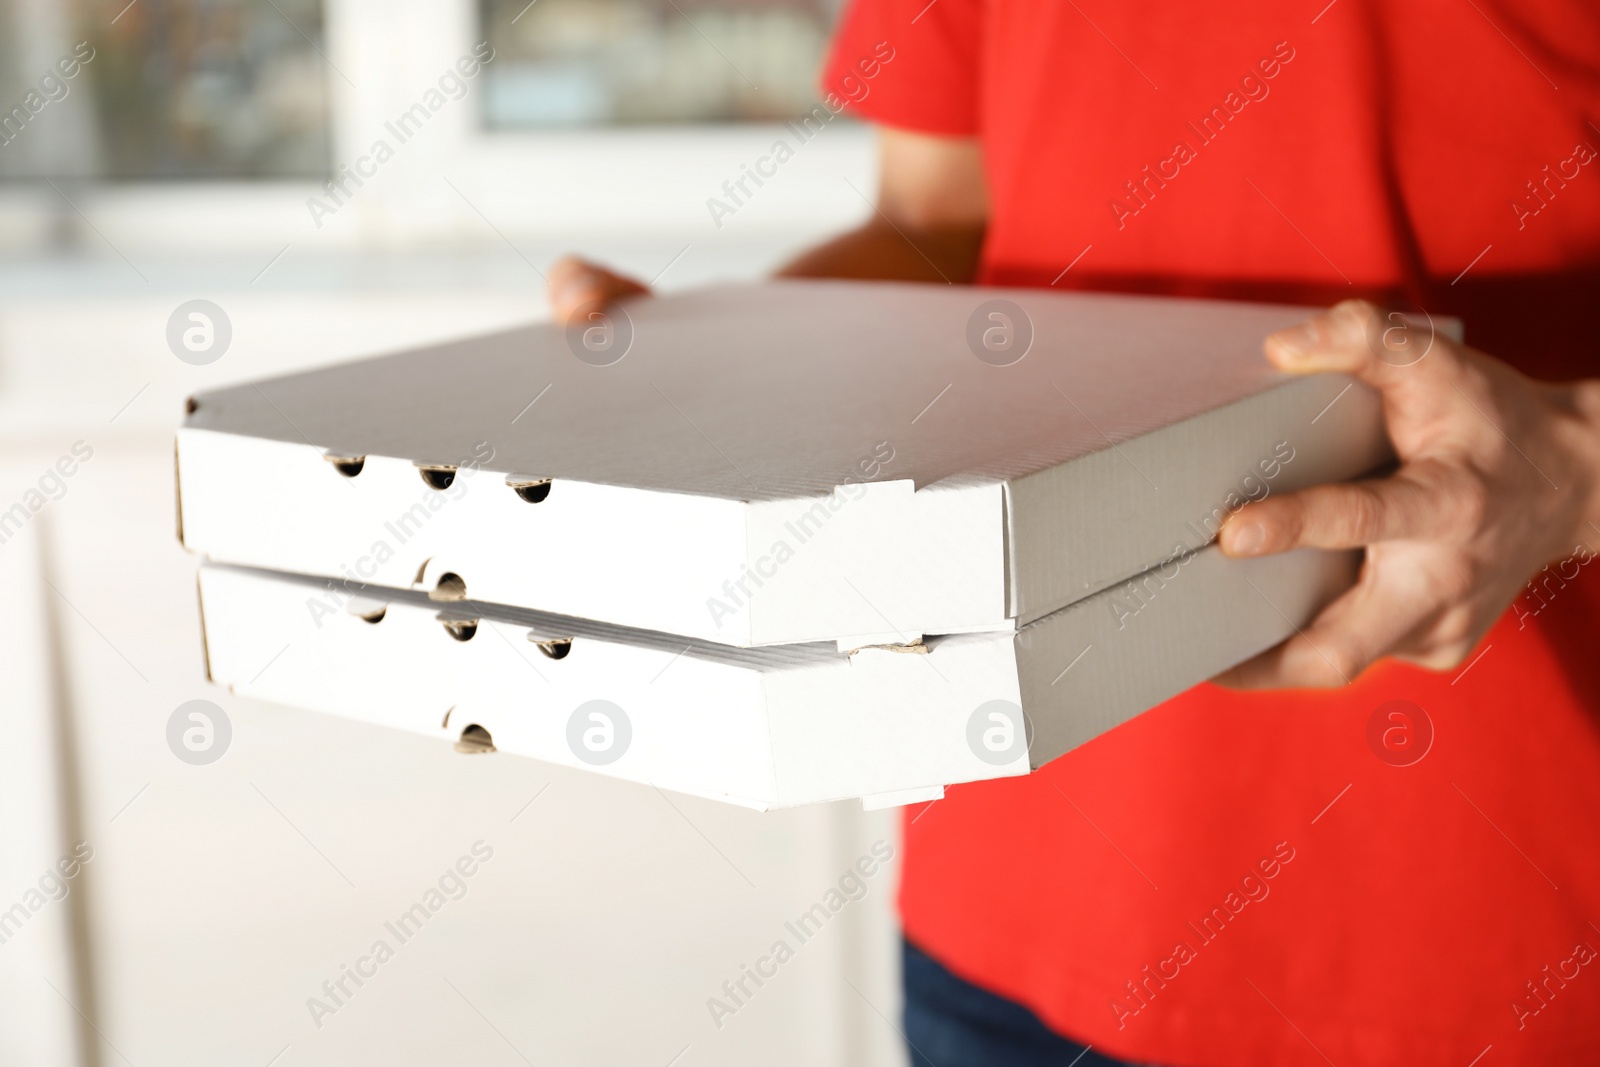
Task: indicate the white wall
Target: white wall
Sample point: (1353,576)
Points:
(218,896)
(221,897)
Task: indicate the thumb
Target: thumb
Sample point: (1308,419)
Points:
(1404,356)
(576,286)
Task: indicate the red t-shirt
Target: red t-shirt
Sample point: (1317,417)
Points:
(1243,878)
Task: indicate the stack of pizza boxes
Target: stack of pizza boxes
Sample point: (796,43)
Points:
(772,544)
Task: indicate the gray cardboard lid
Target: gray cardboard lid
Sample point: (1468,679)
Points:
(777,390)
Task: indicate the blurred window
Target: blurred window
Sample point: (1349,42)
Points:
(163,89)
(565,63)
(217,89)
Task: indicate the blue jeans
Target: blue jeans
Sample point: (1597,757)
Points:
(952,1023)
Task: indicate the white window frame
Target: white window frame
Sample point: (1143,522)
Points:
(455,182)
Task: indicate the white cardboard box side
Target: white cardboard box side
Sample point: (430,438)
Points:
(889,563)
(589,550)
(761,727)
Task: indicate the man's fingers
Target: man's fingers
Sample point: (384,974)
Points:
(577,285)
(1353,336)
(1335,340)
(1403,355)
(1351,515)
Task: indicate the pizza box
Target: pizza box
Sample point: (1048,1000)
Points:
(778,463)
(760,727)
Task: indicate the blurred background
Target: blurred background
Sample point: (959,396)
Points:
(162,151)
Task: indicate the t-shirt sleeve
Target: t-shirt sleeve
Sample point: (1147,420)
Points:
(909,64)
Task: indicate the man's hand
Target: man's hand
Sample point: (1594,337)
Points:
(577,285)
(1498,476)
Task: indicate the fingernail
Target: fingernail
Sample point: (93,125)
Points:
(567,289)
(1247,539)
(1296,341)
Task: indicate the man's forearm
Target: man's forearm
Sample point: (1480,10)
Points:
(875,250)
(1584,404)
(885,251)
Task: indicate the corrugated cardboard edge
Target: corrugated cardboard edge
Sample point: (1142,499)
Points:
(177,492)
(1140,675)
(1285,395)
(205,644)
(1008,579)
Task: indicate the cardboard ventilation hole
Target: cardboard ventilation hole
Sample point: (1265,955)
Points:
(475,740)
(349,466)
